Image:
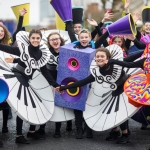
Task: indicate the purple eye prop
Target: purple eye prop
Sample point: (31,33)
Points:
(73,94)
(73,64)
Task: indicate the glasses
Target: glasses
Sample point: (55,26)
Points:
(56,39)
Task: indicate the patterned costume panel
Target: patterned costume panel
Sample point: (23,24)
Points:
(106,108)
(137,87)
(73,65)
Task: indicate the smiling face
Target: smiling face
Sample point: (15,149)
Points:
(101,58)
(2,33)
(35,39)
(147,27)
(55,41)
(84,39)
(77,28)
(118,41)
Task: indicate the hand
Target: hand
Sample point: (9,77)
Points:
(22,12)
(92,22)
(127,3)
(9,60)
(57,89)
(107,16)
(136,17)
(130,37)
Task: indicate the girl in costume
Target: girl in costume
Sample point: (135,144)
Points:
(54,41)
(5,39)
(101,57)
(84,37)
(24,72)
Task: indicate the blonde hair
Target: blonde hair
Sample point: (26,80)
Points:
(84,31)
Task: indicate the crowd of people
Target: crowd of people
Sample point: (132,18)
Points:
(101,39)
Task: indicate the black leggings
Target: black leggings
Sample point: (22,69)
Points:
(19,122)
(58,125)
(5,117)
(124,126)
(78,118)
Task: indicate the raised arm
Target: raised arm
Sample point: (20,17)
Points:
(19,26)
(79,83)
(101,40)
(69,28)
(107,16)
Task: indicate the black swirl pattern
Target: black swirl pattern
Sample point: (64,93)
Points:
(53,60)
(29,62)
(100,79)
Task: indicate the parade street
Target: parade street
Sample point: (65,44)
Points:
(140,139)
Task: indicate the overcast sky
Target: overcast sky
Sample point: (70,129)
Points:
(7,13)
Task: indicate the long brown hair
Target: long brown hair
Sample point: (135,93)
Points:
(123,43)
(61,39)
(105,50)
(6,37)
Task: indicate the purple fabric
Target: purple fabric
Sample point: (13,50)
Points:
(121,26)
(63,8)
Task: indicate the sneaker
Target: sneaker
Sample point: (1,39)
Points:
(123,139)
(1,144)
(57,134)
(143,127)
(22,140)
(35,135)
(5,130)
(41,131)
(113,135)
(79,134)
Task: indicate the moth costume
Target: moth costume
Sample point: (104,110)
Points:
(107,105)
(31,94)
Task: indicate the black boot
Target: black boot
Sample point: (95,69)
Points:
(41,131)
(57,134)
(113,135)
(22,140)
(69,125)
(1,144)
(5,130)
(123,139)
(89,133)
(35,135)
(143,127)
(79,134)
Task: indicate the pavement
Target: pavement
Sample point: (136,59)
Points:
(140,139)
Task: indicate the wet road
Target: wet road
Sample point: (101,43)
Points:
(140,139)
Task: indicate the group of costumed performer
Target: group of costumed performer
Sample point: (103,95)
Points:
(124,125)
(38,62)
